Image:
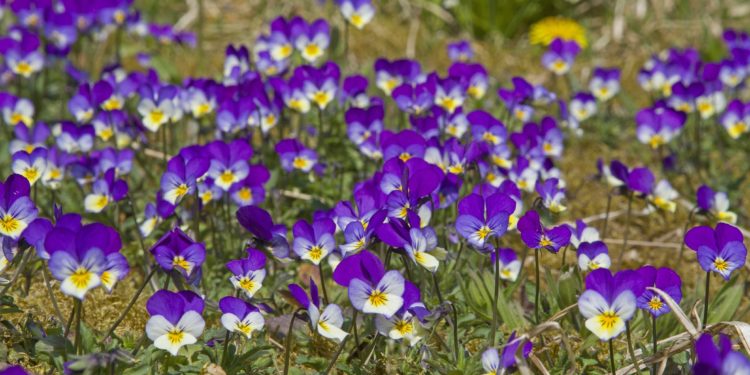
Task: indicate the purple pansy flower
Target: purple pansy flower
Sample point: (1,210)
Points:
(536,236)
(605,83)
(104,191)
(17,210)
(248,274)
(719,250)
(657,126)
(30,165)
(314,242)
(28,139)
(480,219)
(240,316)
(357,12)
(327,322)
(736,118)
(721,360)
(664,279)
(593,255)
(715,204)
(229,162)
(176,319)
(608,302)
(510,265)
(295,156)
(493,363)
(460,51)
(177,251)
(371,289)
(560,56)
(179,180)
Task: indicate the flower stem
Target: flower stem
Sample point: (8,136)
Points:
(684,230)
(52,296)
(25,255)
(354,328)
(130,305)
(227,338)
(538,288)
(627,229)
(288,344)
(606,215)
(630,348)
(495,298)
(322,283)
(611,357)
(705,299)
(338,353)
(79,311)
(654,339)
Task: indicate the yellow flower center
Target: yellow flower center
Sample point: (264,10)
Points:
(737,129)
(180,262)
(9,224)
(656,141)
(106,134)
(181,190)
(483,232)
(405,156)
(357,20)
(31,174)
(403,327)
(112,104)
(545,241)
(227,177)
(81,278)
(202,109)
(377,298)
(17,117)
(721,265)
(655,303)
(245,194)
(608,319)
(24,68)
(300,163)
(246,283)
(246,329)
(312,50)
(156,116)
(175,336)
(489,137)
(315,253)
(101,202)
(321,98)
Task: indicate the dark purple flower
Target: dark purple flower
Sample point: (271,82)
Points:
(719,250)
(176,319)
(536,236)
(662,278)
(721,360)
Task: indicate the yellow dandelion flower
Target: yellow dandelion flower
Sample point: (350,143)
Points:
(551,28)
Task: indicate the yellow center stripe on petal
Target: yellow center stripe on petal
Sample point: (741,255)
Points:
(721,265)
(227,177)
(24,68)
(180,262)
(655,303)
(377,298)
(246,283)
(156,116)
(17,117)
(321,98)
(300,163)
(403,327)
(81,278)
(175,336)
(246,329)
(656,141)
(201,109)
(106,133)
(315,253)
(245,194)
(545,241)
(312,50)
(483,232)
(737,129)
(608,319)
(181,190)
(112,104)
(9,224)
(405,156)
(31,174)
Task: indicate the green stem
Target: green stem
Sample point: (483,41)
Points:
(354,328)
(705,299)
(612,357)
(630,348)
(227,337)
(130,305)
(323,283)
(52,296)
(337,354)
(288,344)
(654,341)
(79,312)
(606,215)
(495,298)
(25,255)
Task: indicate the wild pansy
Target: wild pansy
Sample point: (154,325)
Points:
(409,186)
(28,138)
(415,241)
(119,160)
(178,251)
(451,159)
(605,83)
(485,127)
(358,233)
(84,257)
(608,302)
(30,165)
(17,111)
(149,221)
(23,56)
(176,319)
(732,73)
(415,99)
(354,92)
(664,279)
(106,190)
(179,180)
(537,236)
(582,106)
(229,162)
(450,92)
(658,125)
(357,12)
(593,255)
(327,322)
(510,265)
(295,156)
(265,233)
(552,196)
(493,363)
(240,316)
(715,204)
(250,190)
(57,162)
(460,51)
(516,100)
(524,175)
(232,115)
(310,39)
(407,322)
(199,100)
(712,100)
(75,139)
(278,43)
(17,210)
(236,64)
(736,119)
(314,242)
(82,105)
(721,360)
(480,219)
(156,106)
(362,124)
(372,290)
(719,249)
(404,145)
(661,196)
(391,74)
(560,56)
(248,274)
(582,233)
(473,76)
